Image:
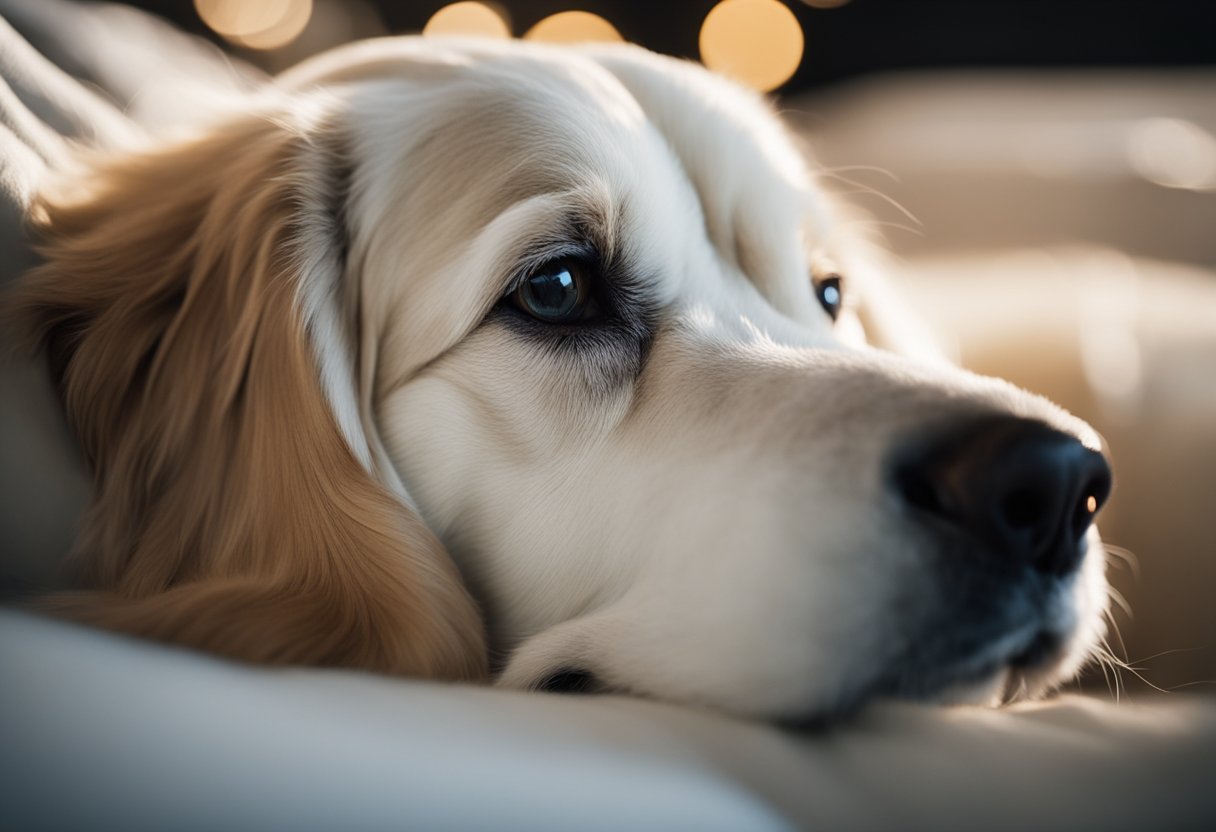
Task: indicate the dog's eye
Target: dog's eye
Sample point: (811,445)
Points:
(557,293)
(830,291)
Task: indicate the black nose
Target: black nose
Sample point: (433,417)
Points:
(1026,490)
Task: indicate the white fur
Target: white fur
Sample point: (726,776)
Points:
(714,529)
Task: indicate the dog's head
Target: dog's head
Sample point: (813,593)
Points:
(575,332)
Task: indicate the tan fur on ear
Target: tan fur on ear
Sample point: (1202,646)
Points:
(229,513)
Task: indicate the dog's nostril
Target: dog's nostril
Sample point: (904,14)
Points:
(918,491)
(569,680)
(1022,509)
(1018,486)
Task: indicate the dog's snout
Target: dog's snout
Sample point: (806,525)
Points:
(1022,488)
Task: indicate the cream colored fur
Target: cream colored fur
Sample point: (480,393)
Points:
(316,441)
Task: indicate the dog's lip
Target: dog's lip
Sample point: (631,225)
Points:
(987,677)
(1039,651)
(1029,656)
(934,682)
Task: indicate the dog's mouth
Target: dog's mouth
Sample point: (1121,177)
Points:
(1018,665)
(1044,649)
(1016,668)
(999,676)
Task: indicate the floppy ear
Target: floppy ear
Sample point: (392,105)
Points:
(183,304)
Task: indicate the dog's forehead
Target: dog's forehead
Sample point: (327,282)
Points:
(531,109)
(486,128)
(453,137)
(752,182)
(538,116)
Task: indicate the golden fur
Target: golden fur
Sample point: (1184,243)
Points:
(229,514)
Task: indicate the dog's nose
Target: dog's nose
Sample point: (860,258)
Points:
(1027,490)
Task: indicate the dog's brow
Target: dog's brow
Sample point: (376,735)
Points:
(586,228)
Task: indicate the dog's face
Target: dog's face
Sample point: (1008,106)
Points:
(621,382)
(591,324)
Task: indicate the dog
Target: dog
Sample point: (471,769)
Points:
(553,367)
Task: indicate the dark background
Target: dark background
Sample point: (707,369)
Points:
(865,36)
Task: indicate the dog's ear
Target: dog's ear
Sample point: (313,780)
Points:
(192,306)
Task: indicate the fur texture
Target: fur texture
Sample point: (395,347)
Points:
(320,426)
(230,514)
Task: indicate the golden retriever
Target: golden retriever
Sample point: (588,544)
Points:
(552,366)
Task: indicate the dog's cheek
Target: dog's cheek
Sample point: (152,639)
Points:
(497,448)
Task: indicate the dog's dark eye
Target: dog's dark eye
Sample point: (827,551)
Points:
(830,291)
(557,293)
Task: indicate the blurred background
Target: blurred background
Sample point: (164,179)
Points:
(842,39)
(1041,172)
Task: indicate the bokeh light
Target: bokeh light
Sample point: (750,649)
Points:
(468,19)
(825,4)
(268,24)
(573,27)
(757,42)
(1173,153)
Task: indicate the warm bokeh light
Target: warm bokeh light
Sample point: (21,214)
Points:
(237,18)
(825,4)
(468,19)
(757,42)
(1173,153)
(573,27)
(256,24)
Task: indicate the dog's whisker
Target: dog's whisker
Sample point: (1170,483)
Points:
(1120,601)
(868,224)
(1110,654)
(1119,636)
(1172,652)
(1109,615)
(862,188)
(1193,684)
(836,170)
(1117,665)
(1105,667)
(1124,555)
(1136,672)
(1128,667)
